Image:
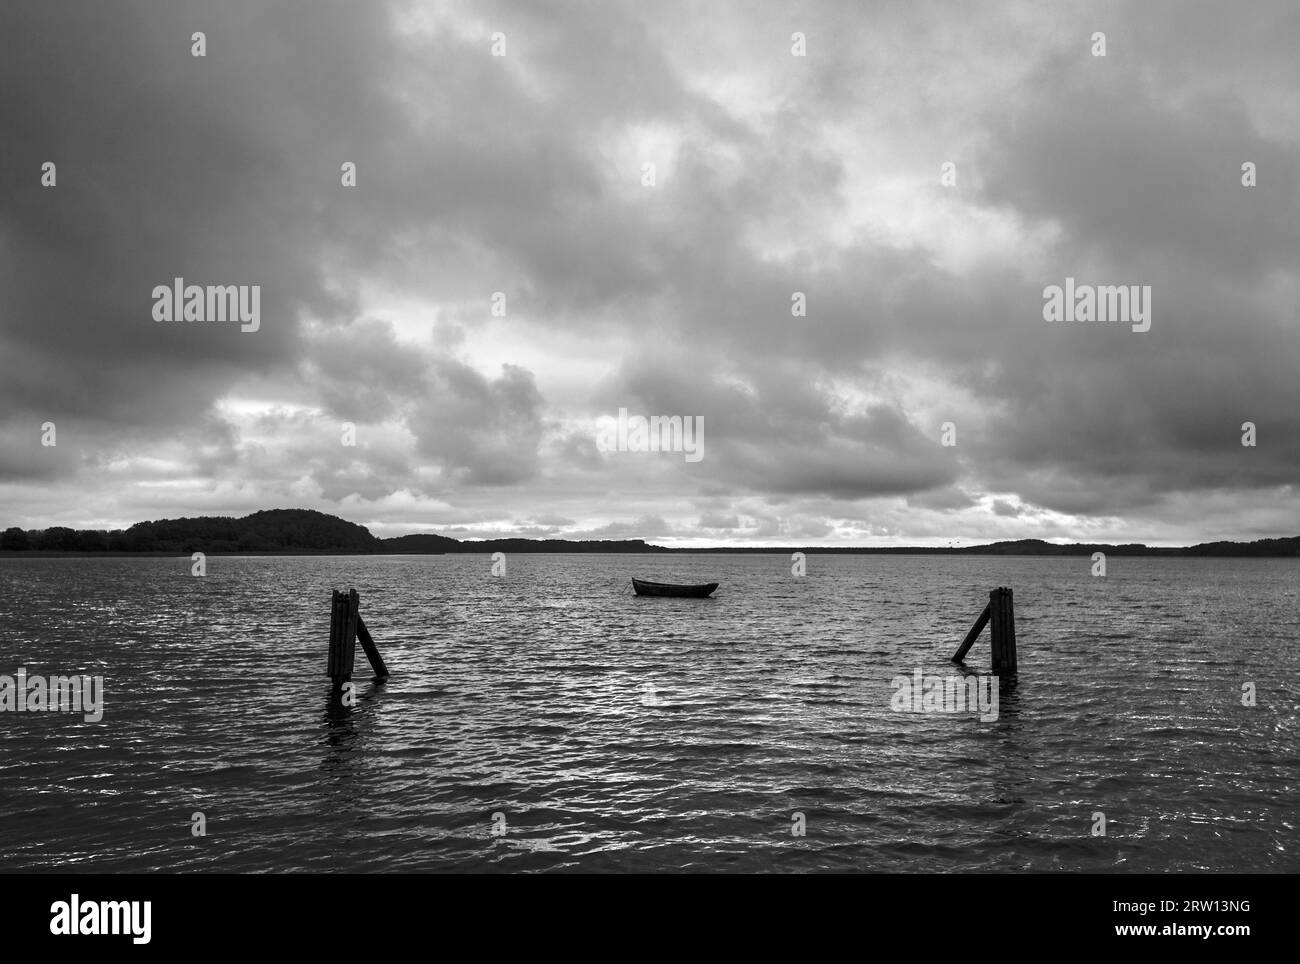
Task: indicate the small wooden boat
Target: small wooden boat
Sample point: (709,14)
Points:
(645,588)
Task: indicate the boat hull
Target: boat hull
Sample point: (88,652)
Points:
(645,588)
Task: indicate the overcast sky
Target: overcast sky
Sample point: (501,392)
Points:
(774,173)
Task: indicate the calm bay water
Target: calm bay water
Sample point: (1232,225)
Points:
(626,734)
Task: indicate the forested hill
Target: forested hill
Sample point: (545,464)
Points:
(276,531)
(273,530)
(290,531)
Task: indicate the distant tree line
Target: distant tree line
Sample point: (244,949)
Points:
(275,530)
(305,530)
(278,530)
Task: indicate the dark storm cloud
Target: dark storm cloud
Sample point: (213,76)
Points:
(481,431)
(1136,178)
(1147,192)
(362,372)
(781,431)
(942,499)
(168,166)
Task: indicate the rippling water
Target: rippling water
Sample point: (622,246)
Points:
(621,733)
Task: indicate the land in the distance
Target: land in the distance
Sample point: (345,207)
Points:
(305,531)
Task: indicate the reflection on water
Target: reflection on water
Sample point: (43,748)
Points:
(613,732)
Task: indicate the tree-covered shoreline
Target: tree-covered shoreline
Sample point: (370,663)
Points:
(307,532)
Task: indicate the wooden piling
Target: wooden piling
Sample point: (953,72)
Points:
(1000,616)
(345,626)
(1002,630)
(341,654)
(331,665)
(329,658)
(353,609)
(1011,632)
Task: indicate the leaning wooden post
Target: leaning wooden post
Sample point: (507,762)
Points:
(372,651)
(974,634)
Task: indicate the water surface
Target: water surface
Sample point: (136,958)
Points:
(619,733)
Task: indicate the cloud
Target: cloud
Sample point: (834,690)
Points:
(522,175)
(480,431)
